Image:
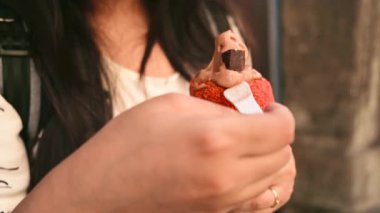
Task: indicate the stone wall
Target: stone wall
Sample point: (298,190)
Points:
(332,84)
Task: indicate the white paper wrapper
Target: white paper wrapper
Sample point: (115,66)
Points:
(242,98)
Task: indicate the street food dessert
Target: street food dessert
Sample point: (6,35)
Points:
(230,66)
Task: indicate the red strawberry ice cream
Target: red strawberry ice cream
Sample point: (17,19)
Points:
(229,67)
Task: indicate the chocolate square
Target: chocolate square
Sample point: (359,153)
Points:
(234,60)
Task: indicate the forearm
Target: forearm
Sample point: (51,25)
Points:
(55,193)
(72,186)
(79,183)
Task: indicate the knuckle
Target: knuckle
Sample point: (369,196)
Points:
(287,191)
(293,171)
(290,126)
(287,194)
(287,125)
(217,186)
(255,204)
(259,203)
(289,188)
(213,142)
(173,99)
(287,154)
(287,133)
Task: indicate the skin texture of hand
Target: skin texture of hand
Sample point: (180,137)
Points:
(175,154)
(283,184)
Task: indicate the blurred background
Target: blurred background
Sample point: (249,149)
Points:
(323,58)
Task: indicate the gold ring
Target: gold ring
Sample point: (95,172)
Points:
(276,201)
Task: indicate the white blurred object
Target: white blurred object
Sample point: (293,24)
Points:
(14,166)
(242,98)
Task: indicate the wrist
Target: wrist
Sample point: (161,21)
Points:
(58,193)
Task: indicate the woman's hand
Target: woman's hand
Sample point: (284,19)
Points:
(266,202)
(175,154)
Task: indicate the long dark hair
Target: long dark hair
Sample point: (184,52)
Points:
(69,63)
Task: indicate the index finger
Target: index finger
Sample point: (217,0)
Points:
(260,134)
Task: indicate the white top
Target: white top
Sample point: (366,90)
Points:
(14,167)
(129,90)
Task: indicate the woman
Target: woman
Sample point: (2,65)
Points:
(172,153)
